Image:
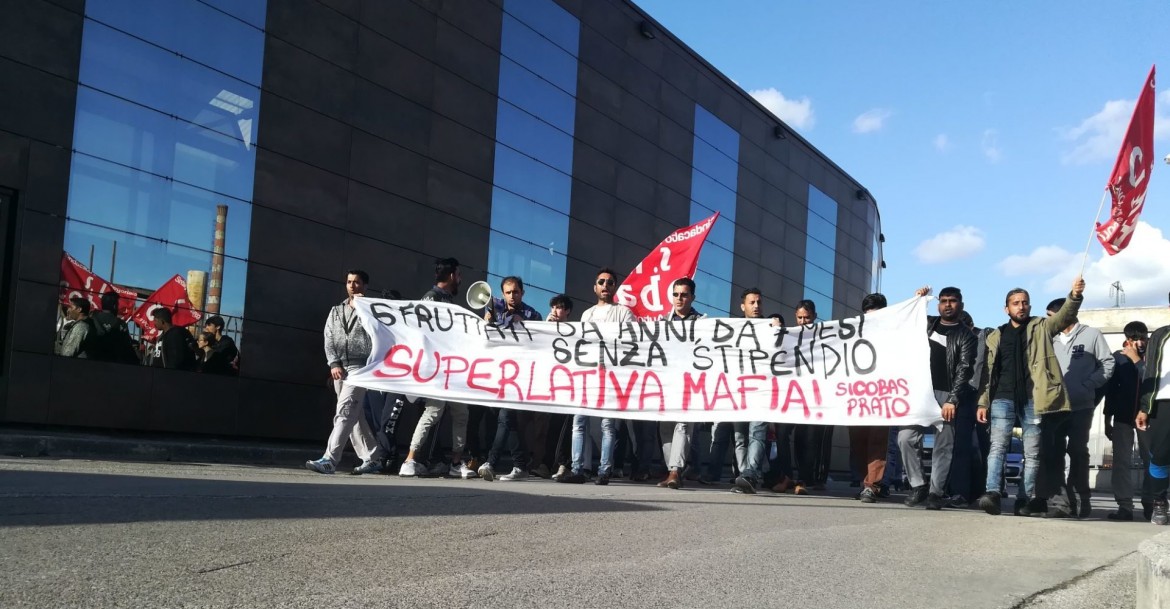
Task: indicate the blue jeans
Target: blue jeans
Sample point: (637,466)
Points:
(608,439)
(1003,418)
(721,434)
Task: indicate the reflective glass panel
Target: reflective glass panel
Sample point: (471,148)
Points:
(523,45)
(550,20)
(193,29)
(521,131)
(530,221)
(542,269)
(163,167)
(539,97)
(534,151)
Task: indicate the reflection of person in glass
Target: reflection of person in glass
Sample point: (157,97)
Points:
(76,328)
(347,347)
(211,359)
(223,344)
(175,344)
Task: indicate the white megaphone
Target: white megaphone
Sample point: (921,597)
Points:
(479,294)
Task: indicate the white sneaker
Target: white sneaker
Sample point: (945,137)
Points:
(411,468)
(487,472)
(466,472)
(562,471)
(517,474)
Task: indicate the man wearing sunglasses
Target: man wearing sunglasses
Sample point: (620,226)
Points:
(677,436)
(605,311)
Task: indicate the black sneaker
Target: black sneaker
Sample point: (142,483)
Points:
(746,485)
(1032,507)
(934,502)
(958,502)
(883,491)
(917,496)
(868,495)
(1121,515)
(1161,513)
(1086,506)
(602,480)
(577,478)
(990,502)
(1147,510)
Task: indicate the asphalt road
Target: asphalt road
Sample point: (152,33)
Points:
(108,534)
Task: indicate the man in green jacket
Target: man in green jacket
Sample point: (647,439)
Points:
(1022,380)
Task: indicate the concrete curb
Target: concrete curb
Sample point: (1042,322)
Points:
(1153,573)
(88,446)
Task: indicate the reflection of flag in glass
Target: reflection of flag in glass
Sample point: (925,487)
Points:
(171,295)
(76,280)
(646,289)
(1131,174)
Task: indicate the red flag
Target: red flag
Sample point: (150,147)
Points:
(171,295)
(646,288)
(1131,174)
(76,280)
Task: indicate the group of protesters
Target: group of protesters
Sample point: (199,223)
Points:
(104,336)
(1043,375)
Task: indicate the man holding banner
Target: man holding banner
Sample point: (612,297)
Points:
(676,448)
(605,311)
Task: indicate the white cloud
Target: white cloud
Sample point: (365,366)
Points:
(942,143)
(871,120)
(796,112)
(1042,260)
(1098,137)
(990,145)
(959,242)
(1140,268)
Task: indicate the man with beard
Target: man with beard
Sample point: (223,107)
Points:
(1035,395)
(952,361)
(605,311)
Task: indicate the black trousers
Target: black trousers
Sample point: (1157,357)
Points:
(1080,421)
(1050,483)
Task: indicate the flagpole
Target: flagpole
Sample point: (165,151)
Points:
(1089,243)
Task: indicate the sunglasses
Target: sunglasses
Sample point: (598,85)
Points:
(605,282)
(682,295)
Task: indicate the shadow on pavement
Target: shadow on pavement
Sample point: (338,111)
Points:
(38,498)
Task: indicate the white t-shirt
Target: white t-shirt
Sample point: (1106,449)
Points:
(608,312)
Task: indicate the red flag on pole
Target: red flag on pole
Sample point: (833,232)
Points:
(645,289)
(76,280)
(1131,174)
(171,295)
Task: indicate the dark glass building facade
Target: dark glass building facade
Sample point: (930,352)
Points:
(257,149)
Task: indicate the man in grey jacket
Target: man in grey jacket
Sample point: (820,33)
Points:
(1087,363)
(347,348)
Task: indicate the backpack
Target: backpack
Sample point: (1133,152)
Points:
(109,340)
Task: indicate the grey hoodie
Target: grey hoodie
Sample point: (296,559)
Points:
(1087,363)
(346,344)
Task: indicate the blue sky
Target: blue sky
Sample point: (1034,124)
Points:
(986,131)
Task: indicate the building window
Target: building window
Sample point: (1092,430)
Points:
(820,251)
(534,147)
(164,153)
(714,180)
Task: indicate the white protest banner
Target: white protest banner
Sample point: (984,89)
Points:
(870,370)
